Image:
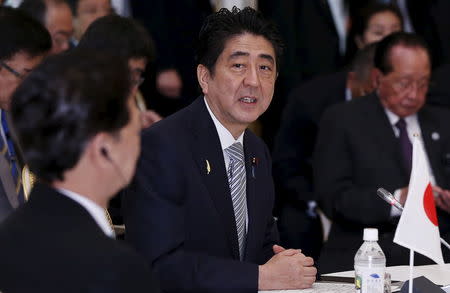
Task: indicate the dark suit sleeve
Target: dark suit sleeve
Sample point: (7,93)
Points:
(340,185)
(271,235)
(154,214)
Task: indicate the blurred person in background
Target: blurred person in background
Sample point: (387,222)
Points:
(56,16)
(87,11)
(24,43)
(298,220)
(371,23)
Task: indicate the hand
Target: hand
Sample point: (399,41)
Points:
(442,199)
(277,249)
(287,269)
(149,117)
(168,83)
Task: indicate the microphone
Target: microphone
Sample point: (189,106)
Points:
(389,198)
(104,153)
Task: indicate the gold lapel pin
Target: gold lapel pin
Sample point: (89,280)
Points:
(208,167)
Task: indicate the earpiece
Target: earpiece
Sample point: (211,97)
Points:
(104,152)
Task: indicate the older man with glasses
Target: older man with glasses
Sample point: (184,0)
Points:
(366,144)
(24,43)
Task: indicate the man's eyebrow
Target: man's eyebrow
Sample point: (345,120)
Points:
(241,53)
(267,57)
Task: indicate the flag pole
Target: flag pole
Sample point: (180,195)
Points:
(411,268)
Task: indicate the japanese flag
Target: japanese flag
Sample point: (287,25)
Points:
(418,227)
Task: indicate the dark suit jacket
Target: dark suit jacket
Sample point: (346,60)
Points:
(294,144)
(180,216)
(52,244)
(430,20)
(439,92)
(356,153)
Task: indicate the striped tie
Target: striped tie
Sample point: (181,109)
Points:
(7,150)
(237,181)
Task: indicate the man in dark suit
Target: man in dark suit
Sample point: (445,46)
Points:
(24,43)
(60,240)
(366,144)
(200,209)
(298,222)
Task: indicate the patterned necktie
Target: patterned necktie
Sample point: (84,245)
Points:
(237,181)
(405,144)
(7,150)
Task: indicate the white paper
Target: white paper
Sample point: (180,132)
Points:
(438,274)
(321,288)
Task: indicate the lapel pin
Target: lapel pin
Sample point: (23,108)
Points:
(208,167)
(254,165)
(435,136)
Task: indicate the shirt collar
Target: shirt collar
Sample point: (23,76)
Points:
(225,136)
(96,211)
(393,118)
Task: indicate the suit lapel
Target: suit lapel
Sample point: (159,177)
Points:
(384,134)
(432,143)
(207,151)
(251,166)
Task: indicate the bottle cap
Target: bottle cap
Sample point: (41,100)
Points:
(370,234)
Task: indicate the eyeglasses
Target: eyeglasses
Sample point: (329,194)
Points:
(13,71)
(407,85)
(138,81)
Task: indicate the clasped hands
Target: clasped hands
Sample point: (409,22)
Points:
(287,269)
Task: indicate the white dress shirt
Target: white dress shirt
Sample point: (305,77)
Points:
(226,140)
(96,211)
(412,128)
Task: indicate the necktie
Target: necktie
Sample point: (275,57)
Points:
(405,144)
(237,181)
(7,150)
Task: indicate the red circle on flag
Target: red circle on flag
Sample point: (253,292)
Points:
(429,206)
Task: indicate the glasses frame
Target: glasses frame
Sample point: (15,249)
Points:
(12,70)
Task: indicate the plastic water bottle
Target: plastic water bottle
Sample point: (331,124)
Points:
(370,264)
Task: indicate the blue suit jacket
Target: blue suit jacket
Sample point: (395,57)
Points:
(180,216)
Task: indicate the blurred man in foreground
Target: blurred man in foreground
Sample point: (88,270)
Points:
(81,154)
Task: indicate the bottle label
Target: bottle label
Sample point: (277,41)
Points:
(369,280)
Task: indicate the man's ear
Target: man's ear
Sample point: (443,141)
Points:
(203,76)
(375,76)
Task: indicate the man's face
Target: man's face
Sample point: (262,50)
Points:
(380,25)
(59,22)
(22,64)
(403,90)
(242,85)
(88,11)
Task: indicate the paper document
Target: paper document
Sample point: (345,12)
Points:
(321,288)
(438,274)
